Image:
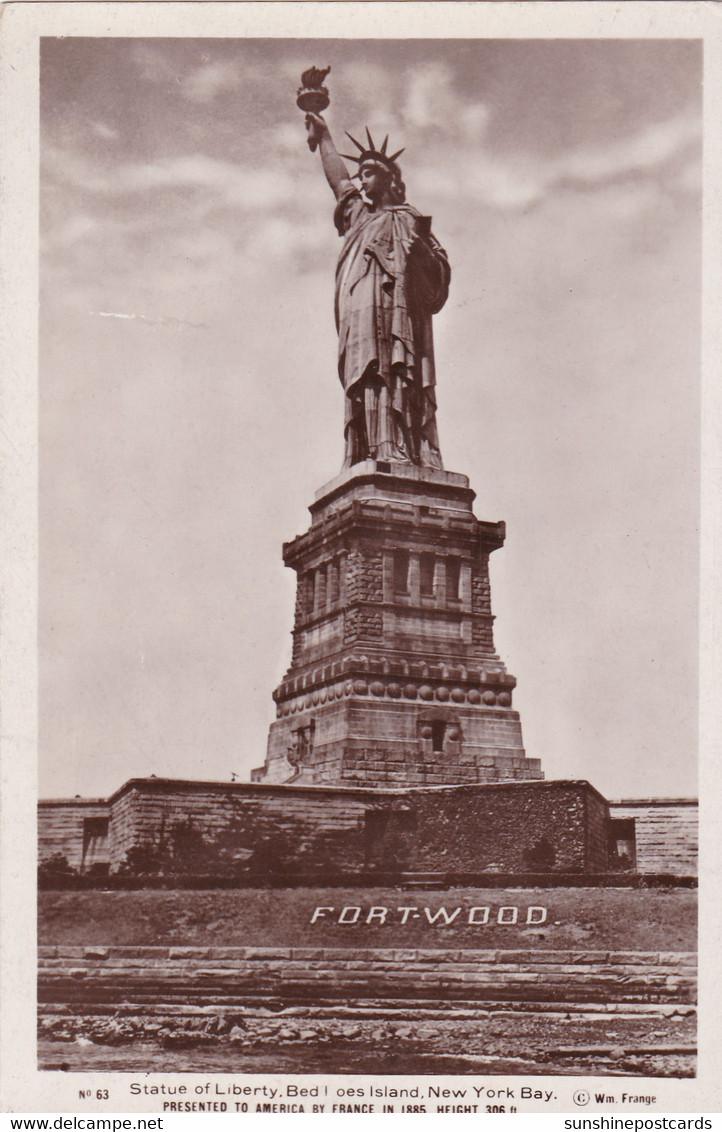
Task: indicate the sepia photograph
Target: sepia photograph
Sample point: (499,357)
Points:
(369,415)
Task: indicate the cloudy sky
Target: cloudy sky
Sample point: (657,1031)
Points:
(190,406)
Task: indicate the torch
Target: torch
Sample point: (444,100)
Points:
(312,95)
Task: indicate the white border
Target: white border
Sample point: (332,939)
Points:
(26,1090)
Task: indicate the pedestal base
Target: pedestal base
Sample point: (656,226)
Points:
(394,678)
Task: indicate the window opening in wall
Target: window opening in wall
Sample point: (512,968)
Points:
(320,595)
(333,583)
(623,843)
(426,575)
(309,593)
(453,577)
(401,571)
(95,836)
(406,820)
(342,578)
(438,730)
(540,855)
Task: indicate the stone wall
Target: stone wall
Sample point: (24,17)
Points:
(232,820)
(665,832)
(77,829)
(226,829)
(617,981)
(527,827)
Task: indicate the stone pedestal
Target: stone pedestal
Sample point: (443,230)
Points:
(394,678)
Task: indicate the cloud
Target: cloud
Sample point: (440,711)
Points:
(429,96)
(374,88)
(101,130)
(412,101)
(233,184)
(645,151)
(207,81)
(70,231)
(688,179)
(664,152)
(200,80)
(230,183)
(309,243)
(288,137)
(474,120)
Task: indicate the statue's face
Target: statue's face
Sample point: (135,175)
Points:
(374,182)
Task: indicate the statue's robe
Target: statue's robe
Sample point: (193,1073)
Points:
(392,275)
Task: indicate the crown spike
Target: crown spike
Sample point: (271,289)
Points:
(350,157)
(372,147)
(358,145)
(384,143)
(397,154)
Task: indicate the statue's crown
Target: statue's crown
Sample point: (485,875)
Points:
(371,153)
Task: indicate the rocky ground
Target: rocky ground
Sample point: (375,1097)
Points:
(377,1042)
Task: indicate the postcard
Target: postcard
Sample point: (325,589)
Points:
(360,633)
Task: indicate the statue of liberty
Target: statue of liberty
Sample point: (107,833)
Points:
(392,276)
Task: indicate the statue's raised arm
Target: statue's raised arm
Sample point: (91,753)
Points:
(319,137)
(392,275)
